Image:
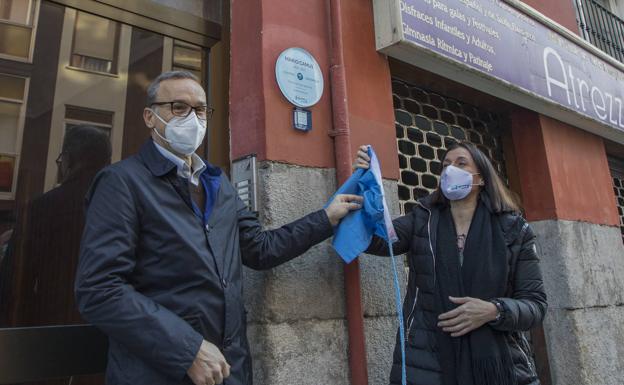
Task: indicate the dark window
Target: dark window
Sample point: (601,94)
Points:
(16,27)
(12,95)
(188,57)
(95,45)
(75,116)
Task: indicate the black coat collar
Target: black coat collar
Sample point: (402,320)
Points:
(159,165)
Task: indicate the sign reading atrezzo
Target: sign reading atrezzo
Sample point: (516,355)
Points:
(509,54)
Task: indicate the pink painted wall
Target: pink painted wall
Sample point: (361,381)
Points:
(260,117)
(561,11)
(563,171)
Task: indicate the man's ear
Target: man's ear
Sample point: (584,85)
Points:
(148,117)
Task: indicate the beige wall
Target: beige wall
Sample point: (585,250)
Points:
(617,7)
(167,60)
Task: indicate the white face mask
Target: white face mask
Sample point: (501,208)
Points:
(456,183)
(184,135)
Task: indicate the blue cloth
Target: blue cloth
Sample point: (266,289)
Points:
(355,231)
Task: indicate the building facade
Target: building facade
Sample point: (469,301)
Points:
(538,86)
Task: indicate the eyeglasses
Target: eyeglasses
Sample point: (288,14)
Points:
(183,110)
(59,159)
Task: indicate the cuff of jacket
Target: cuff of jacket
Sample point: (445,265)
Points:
(324,226)
(503,313)
(191,344)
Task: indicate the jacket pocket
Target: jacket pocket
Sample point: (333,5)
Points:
(528,370)
(411,315)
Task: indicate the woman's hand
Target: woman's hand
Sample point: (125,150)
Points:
(362,160)
(470,315)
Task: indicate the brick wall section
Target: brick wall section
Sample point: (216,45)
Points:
(426,124)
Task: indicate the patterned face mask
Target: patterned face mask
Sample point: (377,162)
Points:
(456,183)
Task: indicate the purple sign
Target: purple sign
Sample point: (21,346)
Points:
(502,42)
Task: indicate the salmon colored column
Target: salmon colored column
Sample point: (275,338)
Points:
(563,171)
(356,106)
(369,86)
(247,107)
(561,11)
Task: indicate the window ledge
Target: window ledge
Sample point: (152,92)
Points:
(92,71)
(20,59)
(15,23)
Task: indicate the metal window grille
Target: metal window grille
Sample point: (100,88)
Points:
(618,186)
(426,124)
(601,27)
(617,172)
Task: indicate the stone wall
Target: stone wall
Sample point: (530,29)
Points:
(296,320)
(583,267)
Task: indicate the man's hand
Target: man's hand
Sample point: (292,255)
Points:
(341,205)
(362,160)
(471,315)
(209,366)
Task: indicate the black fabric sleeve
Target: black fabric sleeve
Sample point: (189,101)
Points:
(264,249)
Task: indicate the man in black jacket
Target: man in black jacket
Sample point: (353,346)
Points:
(163,247)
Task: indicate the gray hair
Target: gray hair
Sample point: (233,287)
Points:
(152,90)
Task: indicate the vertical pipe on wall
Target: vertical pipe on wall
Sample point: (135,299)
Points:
(342,151)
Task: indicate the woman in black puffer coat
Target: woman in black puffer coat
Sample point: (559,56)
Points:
(474,281)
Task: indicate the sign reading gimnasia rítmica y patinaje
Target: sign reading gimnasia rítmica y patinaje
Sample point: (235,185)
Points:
(508,54)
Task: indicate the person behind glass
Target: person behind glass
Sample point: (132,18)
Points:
(165,239)
(48,239)
(474,279)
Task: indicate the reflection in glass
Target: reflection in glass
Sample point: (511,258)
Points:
(16,20)
(12,90)
(100,119)
(46,241)
(16,11)
(106,130)
(12,87)
(44,107)
(15,40)
(95,43)
(9,121)
(7,165)
(187,57)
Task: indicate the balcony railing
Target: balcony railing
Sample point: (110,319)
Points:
(601,27)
